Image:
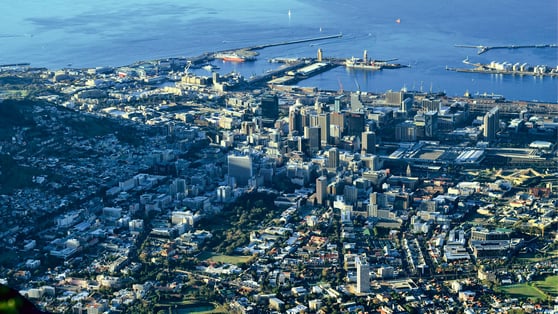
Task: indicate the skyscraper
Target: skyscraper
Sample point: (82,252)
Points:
(368,142)
(321,190)
(295,119)
(270,107)
(313,134)
(350,194)
(363,275)
(333,158)
(491,124)
(430,124)
(240,168)
(354,123)
(323,122)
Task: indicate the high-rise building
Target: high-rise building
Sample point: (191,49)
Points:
(240,168)
(350,194)
(430,105)
(394,98)
(313,134)
(430,124)
(339,103)
(323,122)
(356,102)
(321,190)
(295,119)
(491,124)
(320,55)
(406,131)
(363,275)
(354,123)
(368,142)
(333,158)
(270,107)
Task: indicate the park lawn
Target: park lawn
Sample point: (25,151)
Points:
(523,291)
(226,259)
(549,285)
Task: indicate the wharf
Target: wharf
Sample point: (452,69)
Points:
(503,72)
(251,50)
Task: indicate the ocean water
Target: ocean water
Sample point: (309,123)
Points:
(62,33)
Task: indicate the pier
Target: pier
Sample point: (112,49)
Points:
(482,49)
(291,42)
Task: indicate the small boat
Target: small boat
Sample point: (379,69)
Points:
(210,67)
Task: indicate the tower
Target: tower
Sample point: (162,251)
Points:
(333,158)
(363,275)
(368,142)
(240,168)
(313,134)
(321,190)
(295,119)
(491,124)
(430,124)
(350,194)
(270,107)
(323,122)
(320,55)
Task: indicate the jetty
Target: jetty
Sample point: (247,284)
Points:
(482,49)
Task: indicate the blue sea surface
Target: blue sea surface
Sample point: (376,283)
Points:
(61,33)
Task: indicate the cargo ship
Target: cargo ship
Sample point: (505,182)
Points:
(233,57)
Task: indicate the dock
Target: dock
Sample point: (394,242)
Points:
(503,72)
(482,49)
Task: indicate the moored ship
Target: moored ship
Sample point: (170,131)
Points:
(234,57)
(373,65)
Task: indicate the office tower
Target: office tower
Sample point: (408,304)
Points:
(430,105)
(430,124)
(373,205)
(240,168)
(368,142)
(491,124)
(356,102)
(323,122)
(270,107)
(363,275)
(333,158)
(321,190)
(305,117)
(354,123)
(406,105)
(320,55)
(406,131)
(247,127)
(338,119)
(339,103)
(313,119)
(394,98)
(295,119)
(350,194)
(313,134)
(303,145)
